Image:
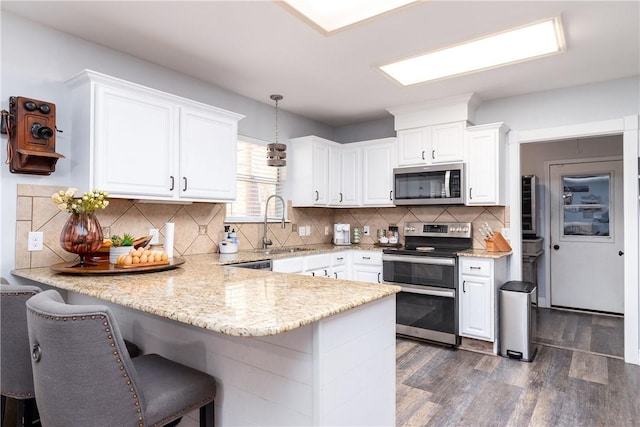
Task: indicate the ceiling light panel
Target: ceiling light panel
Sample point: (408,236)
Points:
(332,15)
(517,45)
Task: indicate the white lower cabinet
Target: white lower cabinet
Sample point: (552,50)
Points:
(366,266)
(479,281)
(288,265)
(363,266)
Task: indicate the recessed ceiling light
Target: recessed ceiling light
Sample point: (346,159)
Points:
(332,15)
(508,47)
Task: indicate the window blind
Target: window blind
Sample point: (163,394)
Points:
(255,183)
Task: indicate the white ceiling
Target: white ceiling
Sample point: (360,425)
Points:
(257,48)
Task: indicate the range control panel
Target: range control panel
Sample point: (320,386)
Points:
(438,229)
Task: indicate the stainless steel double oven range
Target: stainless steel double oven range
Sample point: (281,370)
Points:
(427,270)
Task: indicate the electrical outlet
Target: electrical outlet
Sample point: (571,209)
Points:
(367,232)
(35,241)
(307,230)
(155,236)
(301,231)
(326,230)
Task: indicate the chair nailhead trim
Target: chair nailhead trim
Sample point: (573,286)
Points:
(111,344)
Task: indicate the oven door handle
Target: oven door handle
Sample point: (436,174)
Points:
(419,259)
(448,293)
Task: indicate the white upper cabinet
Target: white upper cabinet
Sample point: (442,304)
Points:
(350,176)
(431,144)
(309,171)
(413,146)
(325,173)
(379,159)
(208,155)
(447,142)
(345,176)
(137,142)
(486,164)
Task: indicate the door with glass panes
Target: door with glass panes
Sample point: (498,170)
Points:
(587,236)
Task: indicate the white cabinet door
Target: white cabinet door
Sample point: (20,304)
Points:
(476,308)
(367,273)
(414,146)
(351,176)
(378,163)
(208,151)
(320,173)
(135,136)
(486,164)
(335,173)
(288,265)
(367,266)
(447,143)
(339,272)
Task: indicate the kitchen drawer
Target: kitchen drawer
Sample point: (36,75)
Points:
(339,258)
(476,266)
(288,265)
(367,257)
(315,262)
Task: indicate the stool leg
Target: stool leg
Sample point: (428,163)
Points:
(206,415)
(20,413)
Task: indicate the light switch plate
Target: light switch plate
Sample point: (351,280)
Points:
(307,230)
(155,236)
(366,230)
(506,233)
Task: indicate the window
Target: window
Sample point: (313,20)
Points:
(255,183)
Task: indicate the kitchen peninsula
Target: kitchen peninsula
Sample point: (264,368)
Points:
(286,349)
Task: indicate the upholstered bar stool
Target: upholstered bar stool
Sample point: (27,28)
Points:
(84,377)
(16,378)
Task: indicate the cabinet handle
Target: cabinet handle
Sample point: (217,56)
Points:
(464,282)
(326,273)
(335,274)
(173,182)
(340,259)
(313,273)
(470,196)
(317,196)
(366,257)
(423,156)
(340,197)
(379,277)
(433,154)
(390,194)
(185,183)
(475,268)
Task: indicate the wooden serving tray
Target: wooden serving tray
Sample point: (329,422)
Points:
(107,268)
(146,264)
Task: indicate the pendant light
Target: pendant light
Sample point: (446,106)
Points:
(276,152)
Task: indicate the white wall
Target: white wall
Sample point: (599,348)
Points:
(36,61)
(533,158)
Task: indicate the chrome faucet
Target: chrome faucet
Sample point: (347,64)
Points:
(265,240)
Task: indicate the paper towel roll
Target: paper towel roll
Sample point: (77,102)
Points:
(169,228)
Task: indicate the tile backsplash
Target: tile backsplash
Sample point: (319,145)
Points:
(199,226)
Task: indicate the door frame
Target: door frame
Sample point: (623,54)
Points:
(627,127)
(547,212)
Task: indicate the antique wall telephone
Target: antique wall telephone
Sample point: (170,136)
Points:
(31,126)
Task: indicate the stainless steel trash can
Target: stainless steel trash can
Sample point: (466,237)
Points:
(517,311)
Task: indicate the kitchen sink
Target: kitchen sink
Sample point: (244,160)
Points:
(276,251)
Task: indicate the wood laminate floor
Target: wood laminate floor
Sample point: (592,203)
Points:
(571,382)
(594,333)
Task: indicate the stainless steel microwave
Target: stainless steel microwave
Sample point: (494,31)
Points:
(429,185)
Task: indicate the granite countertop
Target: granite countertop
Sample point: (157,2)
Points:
(482,253)
(232,301)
